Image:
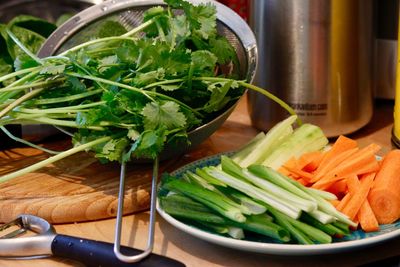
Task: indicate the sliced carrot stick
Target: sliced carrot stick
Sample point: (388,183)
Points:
(363,161)
(367,218)
(343,202)
(357,199)
(334,202)
(365,215)
(310,161)
(338,188)
(302,181)
(300,173)
(292,162)
(341,144)
(384,197)
(335,160)
(352,183)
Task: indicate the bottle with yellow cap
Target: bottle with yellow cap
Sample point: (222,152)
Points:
(396,126)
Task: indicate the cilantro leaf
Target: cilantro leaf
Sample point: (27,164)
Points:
(165,114)
(204,61)
(52,69)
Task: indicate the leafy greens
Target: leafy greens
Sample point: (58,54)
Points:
(127,96)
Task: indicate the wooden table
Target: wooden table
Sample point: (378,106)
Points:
(194,252)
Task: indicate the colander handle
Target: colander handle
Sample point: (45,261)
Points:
(97,253)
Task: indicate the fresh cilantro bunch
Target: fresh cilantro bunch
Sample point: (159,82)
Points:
(127,96)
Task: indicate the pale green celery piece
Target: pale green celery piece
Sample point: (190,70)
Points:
(255,192)
(304,139)
(211,180)
(254,207)
(301,203)
(324,194)
(326,206)
(196,179)
(272,140)
(248,147)
(280,180)
(235,232)
(243,199)
(322,216)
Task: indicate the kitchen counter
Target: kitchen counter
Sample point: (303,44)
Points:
(195,252)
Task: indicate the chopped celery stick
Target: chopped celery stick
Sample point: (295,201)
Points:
(322,216)
(324,194)
(329,228)
(247,148)
(183,211)
(235,232)
(232,168)
(262,224)
(296,233)
(213,200)
(200,172)
(243,199)
(306,138)
(254,192)
(301,203)
(272,140)
(280,180)
(196,179)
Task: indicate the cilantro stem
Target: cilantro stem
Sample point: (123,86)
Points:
(23,47)
(31,85)
(18,73)
(139,28)
(257,89)
(96,41)
(125,36)
(5,96)
(71,124)
(23,79)
(53,159)
(67,98)
(63,109)
(20,140)
(162,83)
(19,101)
(135,89)
(101,80)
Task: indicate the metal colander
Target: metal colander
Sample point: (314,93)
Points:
(130,13)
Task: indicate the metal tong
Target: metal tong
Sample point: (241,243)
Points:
(46,242)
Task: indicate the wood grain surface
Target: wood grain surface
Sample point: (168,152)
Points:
(75,189)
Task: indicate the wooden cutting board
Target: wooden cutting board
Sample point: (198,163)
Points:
(75,189)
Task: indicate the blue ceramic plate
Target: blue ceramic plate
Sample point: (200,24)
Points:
(357,239)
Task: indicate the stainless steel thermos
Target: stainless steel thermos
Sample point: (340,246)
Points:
(317,56)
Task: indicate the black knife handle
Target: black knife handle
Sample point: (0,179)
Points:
(97,253)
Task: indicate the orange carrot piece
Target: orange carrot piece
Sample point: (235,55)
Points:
(310,161)
(300,173)
(362,162)
(334,202)
(339,188)
(333,163)
(367,218)
(353,183)
(292,162)
(365,215)
(341,144)
(284,171)
(343,202)
(384,197)
(357,199)
(303,181)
